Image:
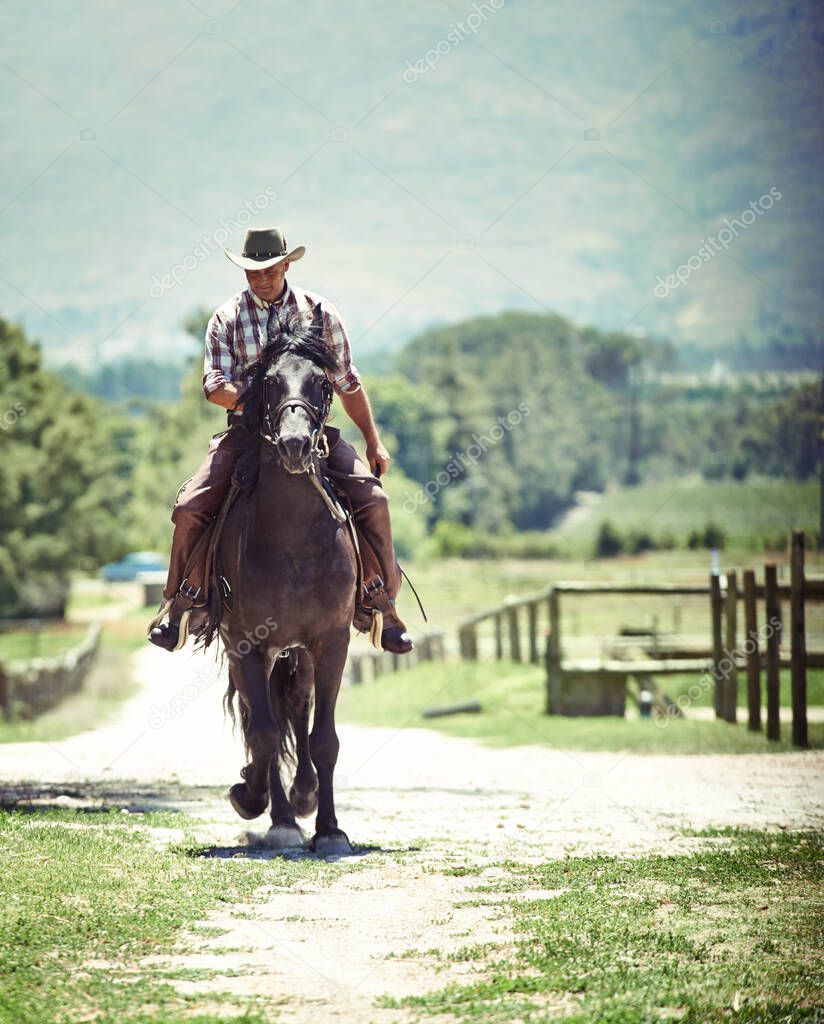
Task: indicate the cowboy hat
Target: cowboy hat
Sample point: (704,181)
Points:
(264,248)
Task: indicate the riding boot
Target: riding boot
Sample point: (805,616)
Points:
(377,609)
(172,635)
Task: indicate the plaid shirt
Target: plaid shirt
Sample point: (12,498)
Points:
(237,333)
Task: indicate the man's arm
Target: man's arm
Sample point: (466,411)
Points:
(357,408)
(226,395)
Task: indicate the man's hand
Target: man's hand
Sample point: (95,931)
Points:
(378,457)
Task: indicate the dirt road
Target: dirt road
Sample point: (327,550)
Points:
(423,800)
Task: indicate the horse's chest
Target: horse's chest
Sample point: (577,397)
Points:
(302,569)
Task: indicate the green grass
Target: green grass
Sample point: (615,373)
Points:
(673,686)
(512,697)
(733,934)
(84,897)
(40,642)
(454,588)
(105,688)
(90,595)
(752,513)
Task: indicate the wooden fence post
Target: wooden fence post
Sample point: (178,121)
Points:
(753,653)
(440,650)
(532,619)
(731,680)
(468,642)
(798,641)
(553,655)
(773,627)
(717,643)
(357,671)
(514,635)
(499,642)
(5,696)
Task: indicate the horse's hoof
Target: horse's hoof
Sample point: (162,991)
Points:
(283,837)
(334,844)
(247,805)
(303,803)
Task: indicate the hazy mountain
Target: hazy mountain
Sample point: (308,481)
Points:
(549,156)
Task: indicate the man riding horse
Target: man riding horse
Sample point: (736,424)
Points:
(235,337)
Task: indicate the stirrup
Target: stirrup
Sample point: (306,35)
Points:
(183,630)
(376,629)
(183,625)
(165,608)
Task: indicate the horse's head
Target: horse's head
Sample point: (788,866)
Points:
(289,395)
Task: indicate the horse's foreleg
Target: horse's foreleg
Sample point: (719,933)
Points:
(303,796)
(250,797)
(284,831)
(329,658)
(261,727)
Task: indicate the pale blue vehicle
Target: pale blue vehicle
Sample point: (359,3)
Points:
(130,566)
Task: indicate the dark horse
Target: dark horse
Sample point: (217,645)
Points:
(291,569)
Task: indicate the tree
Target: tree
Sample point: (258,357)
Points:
(65,464)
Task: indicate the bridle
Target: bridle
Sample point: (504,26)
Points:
(320,445)
(317,417)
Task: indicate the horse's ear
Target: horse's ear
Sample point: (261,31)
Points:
(317,321)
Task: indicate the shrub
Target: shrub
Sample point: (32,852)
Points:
(667,541)
(609,541)
(714,536)
(641,542)
(454,540)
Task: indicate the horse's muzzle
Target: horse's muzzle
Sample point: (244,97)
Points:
(295,453)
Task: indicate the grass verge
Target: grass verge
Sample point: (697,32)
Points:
(84,897)
(107,685)
(512,698)
(40,641)
(730,934)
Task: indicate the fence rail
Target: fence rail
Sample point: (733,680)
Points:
(29,688)
(515,629)
(371,664)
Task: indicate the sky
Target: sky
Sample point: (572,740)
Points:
(439,160)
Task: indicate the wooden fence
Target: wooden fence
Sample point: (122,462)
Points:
(372,664)
(517,635)
(763,652)
(29,688)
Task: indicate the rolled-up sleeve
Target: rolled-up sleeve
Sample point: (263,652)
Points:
(347,378)
(217,363)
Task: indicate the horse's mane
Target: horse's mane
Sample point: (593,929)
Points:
(288,335)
